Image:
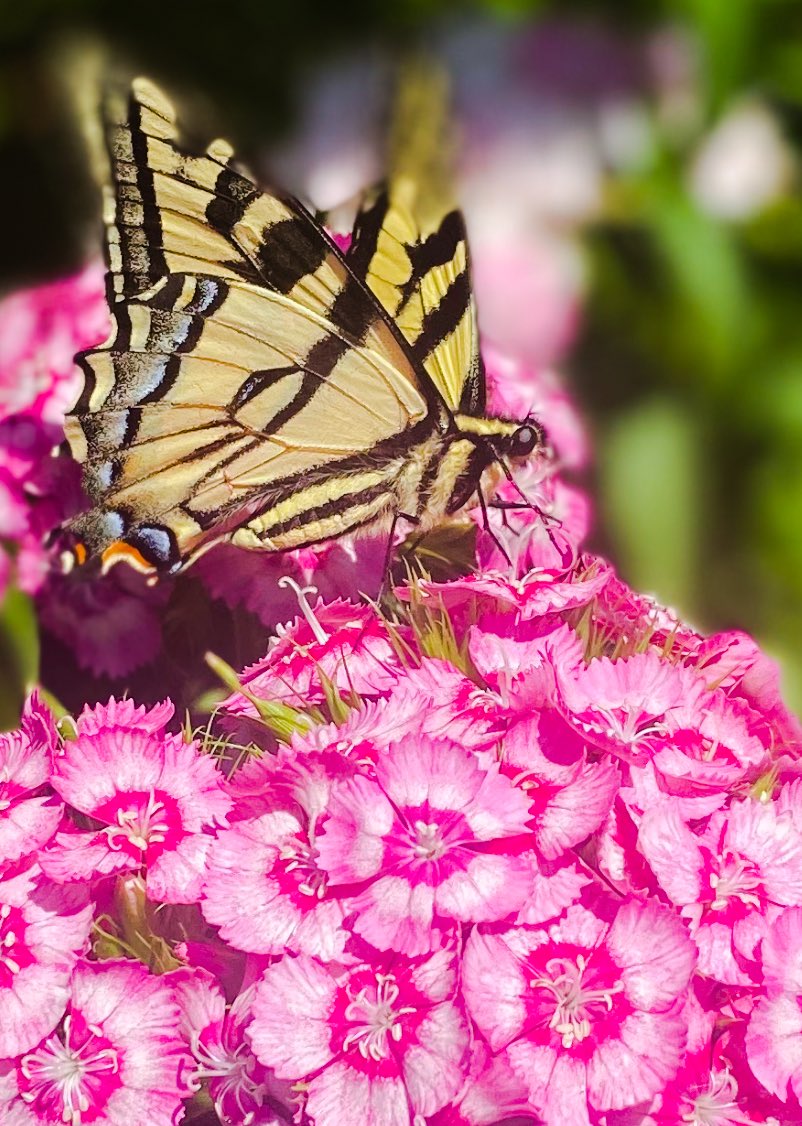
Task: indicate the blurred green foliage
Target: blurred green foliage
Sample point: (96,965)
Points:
(690,362)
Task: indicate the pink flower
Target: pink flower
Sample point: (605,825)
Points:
(29,810)
(117,1056)
(568,802)
(774,1034)
(425,843)
(157,798)
(242,1089)
(492,1093)
(41,329)
(266,891)
(710,748)
(621,705)
(382,1043)
(729,879)
(589,1011)
(43,927)
(348,644)
(547,590)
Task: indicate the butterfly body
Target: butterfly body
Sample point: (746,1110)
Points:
(258,385)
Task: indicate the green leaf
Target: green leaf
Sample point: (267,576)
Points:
(19,654)
(652,492)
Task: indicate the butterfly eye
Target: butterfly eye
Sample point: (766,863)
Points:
(525,439)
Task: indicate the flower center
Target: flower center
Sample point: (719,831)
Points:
(627,727)
(300,858)
(718,1105)
(234,1071)
(142,825)
(375,1019)
(67,1073)
(574,1003)
(428,842)
(736,879)
(13,953)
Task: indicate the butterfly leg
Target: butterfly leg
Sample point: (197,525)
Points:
(488,529)
(388,556)
(548,519)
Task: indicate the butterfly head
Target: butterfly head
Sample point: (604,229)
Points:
(503,439)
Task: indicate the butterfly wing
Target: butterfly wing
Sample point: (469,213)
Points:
(417,265)
(193,420)
(247,358)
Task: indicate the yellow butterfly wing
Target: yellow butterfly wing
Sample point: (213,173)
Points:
(248,363)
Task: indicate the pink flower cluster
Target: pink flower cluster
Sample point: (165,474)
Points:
(41,329)
(531,852)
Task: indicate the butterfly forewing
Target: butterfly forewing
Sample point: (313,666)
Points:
(415,260)
(217,399)
(173,211)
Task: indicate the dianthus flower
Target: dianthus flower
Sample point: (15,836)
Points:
(729,877)
(424,843)
(382,1043)
(117,1055)
(243,1090)
(43,928)
(29,809)
(589,1010)
(156,797)
(348,644)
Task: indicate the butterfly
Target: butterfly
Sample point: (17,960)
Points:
(260,386)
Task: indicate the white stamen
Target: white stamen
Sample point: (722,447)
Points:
(300,593)
(140,827)
(58,1071)
(571,1017)
(375,1018)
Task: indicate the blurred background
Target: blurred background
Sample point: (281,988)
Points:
(630,174)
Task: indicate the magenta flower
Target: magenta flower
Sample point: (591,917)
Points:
(729,878)
(43,928)
(266,891)
(117,1056)
(243,1090)
(590,1011)
(156,797)
(774,1034)
(425,843)
(349,644)
(29,810)
(621,705)
(382,1043)
(548,590)
(41,329)
(112,622)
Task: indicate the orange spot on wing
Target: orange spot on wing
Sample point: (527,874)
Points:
(119,551)
(79,551)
